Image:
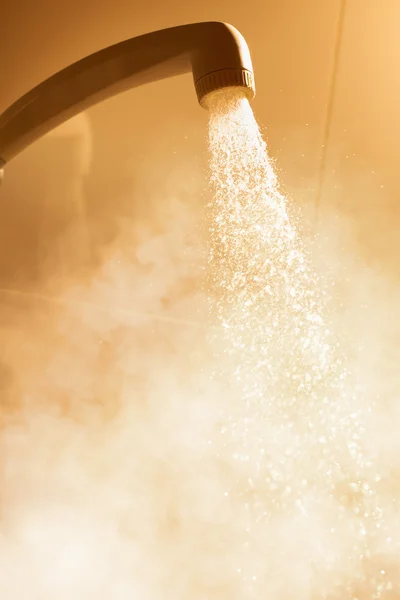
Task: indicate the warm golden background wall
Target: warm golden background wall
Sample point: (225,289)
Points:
(292,46)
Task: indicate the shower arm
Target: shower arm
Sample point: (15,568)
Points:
(216,53)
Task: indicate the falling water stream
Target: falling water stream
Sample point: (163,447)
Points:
(296,422)
(170,435)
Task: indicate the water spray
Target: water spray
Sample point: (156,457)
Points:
(216,53)
(242,460)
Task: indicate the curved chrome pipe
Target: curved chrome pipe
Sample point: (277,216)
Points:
(216,53)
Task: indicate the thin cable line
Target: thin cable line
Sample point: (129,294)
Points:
(330,105)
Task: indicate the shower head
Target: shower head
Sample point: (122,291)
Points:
(216,53)
(222,60)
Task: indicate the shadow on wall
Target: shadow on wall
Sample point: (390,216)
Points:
(65,198)
(49,221)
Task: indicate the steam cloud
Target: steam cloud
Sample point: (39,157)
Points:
(145,453)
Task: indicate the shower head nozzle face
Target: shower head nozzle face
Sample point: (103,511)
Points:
(216,81)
